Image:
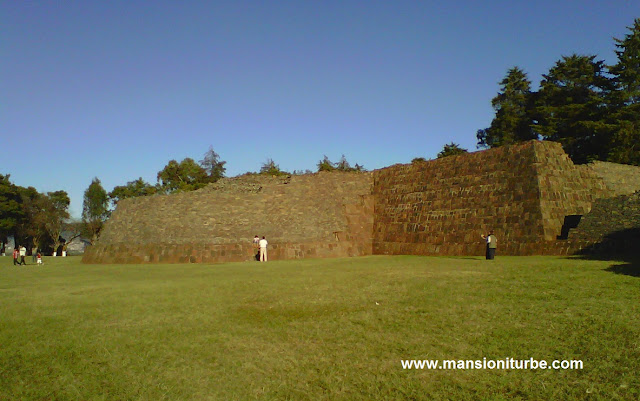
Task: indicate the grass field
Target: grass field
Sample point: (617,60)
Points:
(334,329)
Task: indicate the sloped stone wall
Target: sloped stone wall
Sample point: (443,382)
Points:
(610,217)
(316,215)
(621,179)
(565,189)
(442,207)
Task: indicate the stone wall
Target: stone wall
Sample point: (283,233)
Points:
(442,207)
(315,215)
(564,189)
(621,179)
(439,207)
(610,217)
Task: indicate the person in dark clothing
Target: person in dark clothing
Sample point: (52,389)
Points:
(492,245)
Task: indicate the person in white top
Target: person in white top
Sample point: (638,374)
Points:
(23,253)
(256,248)
(492,244)
(263,249)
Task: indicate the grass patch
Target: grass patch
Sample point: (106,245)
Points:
(333,329)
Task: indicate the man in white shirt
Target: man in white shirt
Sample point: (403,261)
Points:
(23,253)
(263,249)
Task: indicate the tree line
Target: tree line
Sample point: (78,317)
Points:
(38,220)
(34,219)
(591,108)
(189,175)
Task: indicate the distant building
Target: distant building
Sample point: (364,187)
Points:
(8,246)
(77,244)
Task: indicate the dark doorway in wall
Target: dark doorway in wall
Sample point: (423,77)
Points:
(570,222)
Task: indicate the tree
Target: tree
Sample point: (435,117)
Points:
(626,71)
(301,172)
(342,165)
(418,160)
(35,209)
(181,177)
(271,168)
(572,107)
(95,209)
(11,212)
(325,165)
(133,189)
(513,105)
(625,146)
(451,149)
(212,164)
(55,205)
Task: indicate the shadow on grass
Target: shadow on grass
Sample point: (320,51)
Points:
(628,269)
(620,246)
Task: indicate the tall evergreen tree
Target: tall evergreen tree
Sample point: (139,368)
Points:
(625,147)
(95,208)
(626,71)
(572,107)
(513,120)
(11,211)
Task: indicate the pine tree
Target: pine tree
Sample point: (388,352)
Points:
(625,147)
(512,122)
(572,107)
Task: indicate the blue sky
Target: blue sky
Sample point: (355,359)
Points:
(116,89)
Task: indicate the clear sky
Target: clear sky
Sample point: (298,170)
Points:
(116,89)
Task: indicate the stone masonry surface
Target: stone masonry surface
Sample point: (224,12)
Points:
(438,207)
(315,215)
(610,217)
(523,192)
(621,179)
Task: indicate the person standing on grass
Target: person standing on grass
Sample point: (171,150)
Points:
(39,258)
(34,251)
(263,249)
(492,245)
(256,247)
(15,256)
(23,253)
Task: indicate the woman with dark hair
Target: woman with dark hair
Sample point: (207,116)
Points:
(492,245)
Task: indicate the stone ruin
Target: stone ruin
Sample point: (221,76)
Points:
(530,194)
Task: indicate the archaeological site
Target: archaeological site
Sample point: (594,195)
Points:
(531,194)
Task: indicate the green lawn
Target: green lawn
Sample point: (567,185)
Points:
(333,329)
